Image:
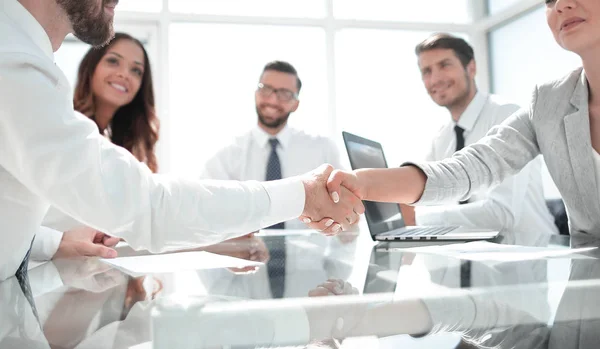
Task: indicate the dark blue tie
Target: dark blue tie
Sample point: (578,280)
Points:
(274,172)
(276,244)
(276,264)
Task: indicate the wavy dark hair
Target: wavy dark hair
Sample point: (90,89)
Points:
(135,125)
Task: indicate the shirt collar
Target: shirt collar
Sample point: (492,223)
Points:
(25,20)
(469,116)
(262,138)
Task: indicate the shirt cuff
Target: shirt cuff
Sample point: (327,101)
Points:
(45,244)
(286,197)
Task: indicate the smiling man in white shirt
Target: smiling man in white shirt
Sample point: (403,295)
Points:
(448,70)
(252,155)
(50,155)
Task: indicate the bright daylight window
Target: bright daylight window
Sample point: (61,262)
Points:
(213,79)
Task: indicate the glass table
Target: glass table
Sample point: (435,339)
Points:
(304,290)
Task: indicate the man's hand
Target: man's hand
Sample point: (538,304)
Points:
(86,242)
(248,247)
(333,287)
(88,274)
(340,210)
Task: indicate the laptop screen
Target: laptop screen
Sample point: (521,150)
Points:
(363,153)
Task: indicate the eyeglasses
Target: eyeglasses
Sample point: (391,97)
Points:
(283,95)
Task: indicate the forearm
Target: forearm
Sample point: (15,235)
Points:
(402,185)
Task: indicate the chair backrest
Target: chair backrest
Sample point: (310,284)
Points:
(558,211)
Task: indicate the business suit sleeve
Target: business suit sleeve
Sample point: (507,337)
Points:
(59,155)
(501,208)
(503,152)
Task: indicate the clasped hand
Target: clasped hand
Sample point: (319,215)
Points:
(333,200)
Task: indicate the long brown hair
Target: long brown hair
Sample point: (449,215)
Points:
(135,125)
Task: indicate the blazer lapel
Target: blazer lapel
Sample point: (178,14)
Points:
(577,128)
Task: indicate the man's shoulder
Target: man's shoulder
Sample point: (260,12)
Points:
(14,42)
(501,102)
(237,143)
(17,51)
(499,108)
(311,138)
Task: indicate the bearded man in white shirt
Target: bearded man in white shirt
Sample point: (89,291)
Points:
(448,70)
(273,149)
(50,155)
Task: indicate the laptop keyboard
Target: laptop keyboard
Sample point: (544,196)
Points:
(416,232)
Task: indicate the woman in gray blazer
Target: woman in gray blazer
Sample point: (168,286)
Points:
(562,123)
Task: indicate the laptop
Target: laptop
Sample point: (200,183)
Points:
(385,219)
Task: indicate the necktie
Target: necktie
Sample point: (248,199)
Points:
(274,172)
(23,279)
(276,244)
(465,266)
(460,137)
(276,264)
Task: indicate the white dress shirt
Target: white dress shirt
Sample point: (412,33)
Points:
(517,204)
(247,156)
(51,155)
(45,244)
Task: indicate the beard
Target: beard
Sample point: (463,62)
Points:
(89,21)
(272,124)
(463,96)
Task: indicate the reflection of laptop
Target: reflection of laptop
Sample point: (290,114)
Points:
(385,219)
(382,273)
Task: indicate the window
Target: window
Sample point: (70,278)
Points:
(455,11)
(517,65)
(140,5)
(497,6)
(380,94)
(262,8)
(213,79)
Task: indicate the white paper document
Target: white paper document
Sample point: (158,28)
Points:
(488,251)
(174,262)
(147,345)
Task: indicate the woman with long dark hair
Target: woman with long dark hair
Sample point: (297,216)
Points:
(115,89)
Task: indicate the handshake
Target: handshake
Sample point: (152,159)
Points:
(333,200)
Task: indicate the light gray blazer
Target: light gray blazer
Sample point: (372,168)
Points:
(556,125)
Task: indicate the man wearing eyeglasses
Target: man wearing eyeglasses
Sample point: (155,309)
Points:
(272,149)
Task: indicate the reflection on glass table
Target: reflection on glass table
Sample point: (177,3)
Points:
(335,292)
